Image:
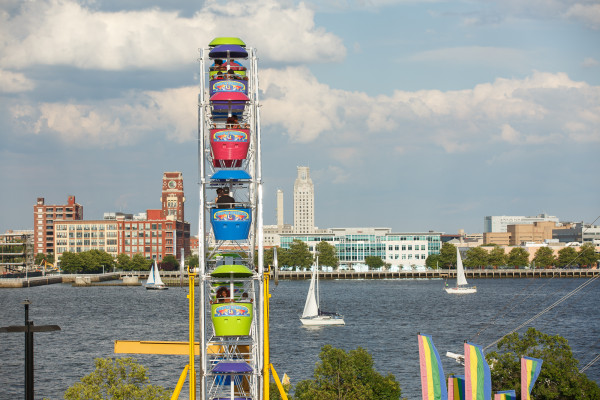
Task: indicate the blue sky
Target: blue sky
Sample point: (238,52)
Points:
(413,115)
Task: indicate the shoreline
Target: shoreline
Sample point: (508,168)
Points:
(172,278)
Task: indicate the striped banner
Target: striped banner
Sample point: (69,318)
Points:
(433,385)
(530,370)
(478,379)
(456,387)
(506,395)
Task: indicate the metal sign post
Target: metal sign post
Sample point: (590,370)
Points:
(29,330)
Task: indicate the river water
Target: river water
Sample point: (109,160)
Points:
(382,316)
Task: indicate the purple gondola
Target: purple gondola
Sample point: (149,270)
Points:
(224,103)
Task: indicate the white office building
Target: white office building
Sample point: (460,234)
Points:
(304,202)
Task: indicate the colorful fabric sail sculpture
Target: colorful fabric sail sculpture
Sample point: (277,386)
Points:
(530,370)
(433,385)
(456,387)
(478,378)
(505,395)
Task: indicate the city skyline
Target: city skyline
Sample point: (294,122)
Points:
(431,116)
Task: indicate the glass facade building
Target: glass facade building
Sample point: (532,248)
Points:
(354,245)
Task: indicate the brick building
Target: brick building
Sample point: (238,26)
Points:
(154,234)
(44,218)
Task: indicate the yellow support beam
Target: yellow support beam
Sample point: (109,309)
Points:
(155,347)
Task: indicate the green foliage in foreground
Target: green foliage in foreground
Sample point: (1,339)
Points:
(119,379)
(559,377)
(340,375)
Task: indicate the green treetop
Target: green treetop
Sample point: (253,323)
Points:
(518,257)
(349,375)
(327,256)
(544,257)
(299,254)
(559,377)
(119,379)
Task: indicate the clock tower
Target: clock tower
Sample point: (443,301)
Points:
(172,198)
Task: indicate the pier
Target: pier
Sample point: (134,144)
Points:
(445,274)
(171,278)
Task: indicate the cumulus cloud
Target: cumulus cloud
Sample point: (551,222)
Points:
(544,108)
(14,82)
(115,122)
(588,13)
(65,32)
(529,110)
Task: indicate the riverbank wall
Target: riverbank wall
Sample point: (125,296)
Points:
(173,279)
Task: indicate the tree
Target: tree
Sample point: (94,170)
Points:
(140,263)
(544,257)
(448,255)
(71,263)
(518,257)
(433,261)
(559,377)
(327,254)
(300,254)
(587,255)
(347,375)
(124,262)
(497,256)
(476,257)
(121,378)
(566,256)
(169,263)
(374,262)
(193,261)
(283,257)
(274,391)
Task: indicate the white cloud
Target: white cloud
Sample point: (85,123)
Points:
(590,62)
(116,122)
(14,82)
(509,134)
(64,32)
(588,13)
(543,108)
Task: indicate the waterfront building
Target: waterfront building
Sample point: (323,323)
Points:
(353,245)
(304,202)
(579,233)
(16,251)
(499,223)
(154,233)
(172,196)
(44,218)
(517,234)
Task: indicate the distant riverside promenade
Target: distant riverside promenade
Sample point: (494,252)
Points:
(444,273)
(171,278)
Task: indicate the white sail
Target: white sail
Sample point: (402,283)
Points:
(311,308)
(460,271)
(157,280)
(151,280)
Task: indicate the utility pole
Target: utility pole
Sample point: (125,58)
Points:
(29,329)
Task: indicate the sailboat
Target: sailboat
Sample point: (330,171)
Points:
(461,281)
(154,282)
(312,314)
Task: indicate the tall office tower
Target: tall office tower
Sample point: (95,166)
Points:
(172,198)
(44,219)
(279,207)
(304,202)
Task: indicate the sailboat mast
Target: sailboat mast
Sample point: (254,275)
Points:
(317,272)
